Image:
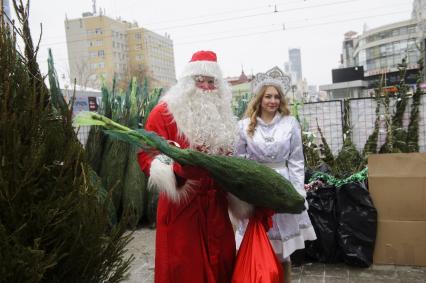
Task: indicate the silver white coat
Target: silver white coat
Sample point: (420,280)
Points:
(278,144)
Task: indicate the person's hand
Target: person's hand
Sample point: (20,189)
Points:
(189,172)
(265,216)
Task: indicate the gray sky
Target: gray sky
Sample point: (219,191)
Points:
(246,34)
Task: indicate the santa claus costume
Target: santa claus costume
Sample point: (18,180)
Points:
(194,237)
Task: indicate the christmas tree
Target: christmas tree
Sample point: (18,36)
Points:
(54,224)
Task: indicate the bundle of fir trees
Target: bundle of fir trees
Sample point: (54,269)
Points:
(54,226)
(114,161)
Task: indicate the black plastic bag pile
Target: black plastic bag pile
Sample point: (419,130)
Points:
(345,222)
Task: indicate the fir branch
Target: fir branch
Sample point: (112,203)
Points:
(370,146)
(326,151)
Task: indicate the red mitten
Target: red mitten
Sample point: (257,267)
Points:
(190,172)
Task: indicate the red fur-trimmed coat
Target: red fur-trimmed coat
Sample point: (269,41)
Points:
(195,240)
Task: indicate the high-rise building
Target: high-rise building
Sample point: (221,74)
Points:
(100,47)
(151,53)
(295,59)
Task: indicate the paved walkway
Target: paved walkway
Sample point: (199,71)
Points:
(143,249)
(142,269)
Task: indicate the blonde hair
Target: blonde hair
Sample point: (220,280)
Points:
(254,108)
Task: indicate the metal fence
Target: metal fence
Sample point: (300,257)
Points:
(363,117)
(329,116)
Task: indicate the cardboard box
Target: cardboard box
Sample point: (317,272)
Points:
(397,165)
(400,243)
(399,198)
(397,185)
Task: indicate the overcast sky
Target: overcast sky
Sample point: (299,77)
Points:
(249,34)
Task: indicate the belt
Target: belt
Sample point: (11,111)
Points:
(276,165)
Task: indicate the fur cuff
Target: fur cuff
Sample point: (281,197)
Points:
(239,208)
(163,179)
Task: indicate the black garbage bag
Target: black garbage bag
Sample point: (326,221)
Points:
(321,211)
(357,224)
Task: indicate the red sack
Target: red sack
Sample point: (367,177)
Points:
(256,260)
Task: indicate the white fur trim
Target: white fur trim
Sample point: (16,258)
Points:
(163,179)
(205,68)
(239,208)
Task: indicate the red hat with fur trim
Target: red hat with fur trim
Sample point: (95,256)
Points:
(202,63)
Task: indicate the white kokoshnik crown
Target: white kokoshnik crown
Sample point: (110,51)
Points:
(274,77)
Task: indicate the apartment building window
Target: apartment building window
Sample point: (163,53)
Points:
(95,43)
(99,65)
(98,31)
(93,53)
(139,57)
(138,36)
(101,53)
(138,47)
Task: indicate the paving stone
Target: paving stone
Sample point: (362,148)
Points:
(313,269)
(296,270)
(331,279)
(295,278)
(373,273)
(384,267)
(336,270)
(142,268)
(311,279)
(408,274)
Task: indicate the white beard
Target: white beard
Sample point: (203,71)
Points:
(204,118)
